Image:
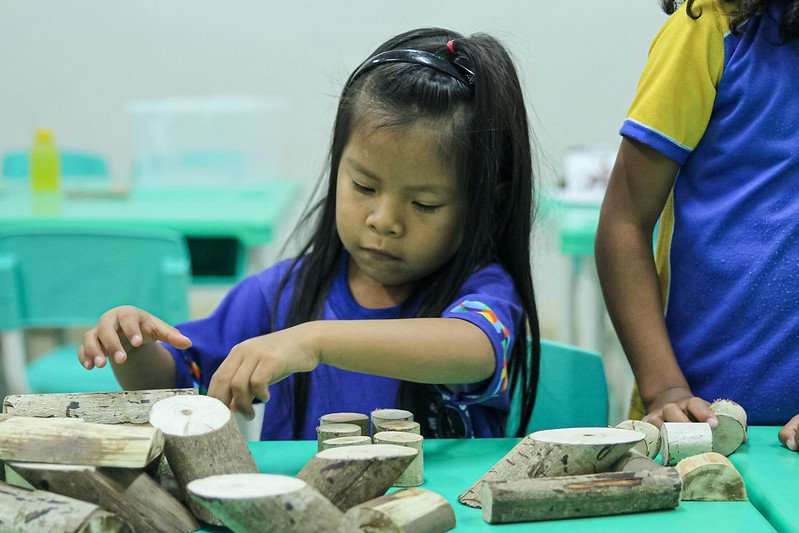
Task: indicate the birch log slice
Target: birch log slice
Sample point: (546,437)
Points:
(381,416)
(202,439)
(557,452)
(359,419)
(331,431)
(405,511)
(71,441)
(413,475)
(35,511)
(731,430)
(132,495)
(710,477)
(266,503)
(603,494)
(354,474)
(650,446)
(340,442)
(128,407)
(406,426)
(679,440)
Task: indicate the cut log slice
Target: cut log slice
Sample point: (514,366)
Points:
(72,441)
(34,511)
(340,442)
(359,419)
(580,496)
(679,440)
(266,503)
(202,440)
(127,407)
(731,430)
(355,474)
(332,431)
(413,476)
(132,495)
(405,511)
(406,426)
(557,452)
(381,416)
(650,446)
(710,477)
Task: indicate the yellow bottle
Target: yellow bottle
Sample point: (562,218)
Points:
(44,163)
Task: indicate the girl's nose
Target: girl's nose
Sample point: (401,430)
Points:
(384,220)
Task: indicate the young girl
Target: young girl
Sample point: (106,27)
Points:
(711,142)
(414,289)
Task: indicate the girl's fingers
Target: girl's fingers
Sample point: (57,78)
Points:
(129,327)
(789,434)
(158,330)
(240,386)
(86,362)
(92,351)
(219,387)
(700,411)
(260,380)
(654,418)
(673,413)
(109,339)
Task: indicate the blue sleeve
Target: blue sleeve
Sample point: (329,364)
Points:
(488,300)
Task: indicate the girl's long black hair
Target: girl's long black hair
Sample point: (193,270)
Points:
(743,10)
(484,128)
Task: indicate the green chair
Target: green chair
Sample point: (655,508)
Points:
(73,163)
(66,277)
(572,391)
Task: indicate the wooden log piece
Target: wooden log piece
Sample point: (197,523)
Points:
(132,495)
(557,452)
(266,503)
(381,416)
(127,407)
(359,419)
(650,446)
(710,477)
(331,431)
(634,461)
(202,439)
(405,511)
(340,442)
(354,474)
(603,494)
(730,433)
(679,440)
(35,511)
(71,441)
(406,426)
(413,475)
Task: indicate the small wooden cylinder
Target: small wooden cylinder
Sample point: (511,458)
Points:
(332,431)
(684,439)
(405,426)
(359,419)
(340,442)
(381,416)
(413,476)
(731,431)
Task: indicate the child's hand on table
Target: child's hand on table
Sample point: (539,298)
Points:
(789,434)
(122,329)
(678,404)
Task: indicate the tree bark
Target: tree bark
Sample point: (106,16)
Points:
(684,439)
(381,416)
(359,419)
(332,431)
(413,475)
(710,477)
(405,511)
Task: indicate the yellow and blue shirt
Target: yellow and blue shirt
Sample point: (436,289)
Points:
(725,107)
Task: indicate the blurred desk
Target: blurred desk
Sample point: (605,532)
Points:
(216,223)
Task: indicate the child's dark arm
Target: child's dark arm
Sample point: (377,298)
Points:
(639,187)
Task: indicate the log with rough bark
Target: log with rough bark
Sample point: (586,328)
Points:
(332,431)
(413,476)
(35,511)
(354,474)
(71,441)
(557,452)
(265,503)
(406,426)
(381,416)
(634,461)
(202,439)
(650,446)
(603,494)
(359,419)
(132,495)
(731,430)
(710,477)
(679,440)
(405,511)
(340,442)
(128,407)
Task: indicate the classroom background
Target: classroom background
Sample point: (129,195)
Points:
(92,71)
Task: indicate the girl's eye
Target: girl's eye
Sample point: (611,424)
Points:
(362,188)
(426,208)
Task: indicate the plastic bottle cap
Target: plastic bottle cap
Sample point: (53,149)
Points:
(44,135)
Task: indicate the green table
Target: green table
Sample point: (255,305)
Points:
(211,220)
(451,466)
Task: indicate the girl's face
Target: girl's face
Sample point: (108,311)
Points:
(399,206)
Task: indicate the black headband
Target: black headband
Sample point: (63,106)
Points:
(456,69)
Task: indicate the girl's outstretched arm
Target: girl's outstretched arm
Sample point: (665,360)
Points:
(425,350)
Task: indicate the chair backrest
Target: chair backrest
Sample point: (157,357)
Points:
(59,276)
(73,163)
(572,391)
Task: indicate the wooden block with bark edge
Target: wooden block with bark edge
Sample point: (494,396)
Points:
(359,419)
(381,416)
(710,477)
(339,442)
(679,440)
(405,511)
(650,446)
(730,433)
(332,431)
(413,476)
(557,452)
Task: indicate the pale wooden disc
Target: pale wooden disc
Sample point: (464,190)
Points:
(189,415)
(366,451)
(588,436)
(244,486)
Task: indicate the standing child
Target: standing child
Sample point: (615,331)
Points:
(414,289)
(711,142)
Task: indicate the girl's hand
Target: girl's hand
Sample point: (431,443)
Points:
(678,404)
(121,330)
(256,363)
(789,434)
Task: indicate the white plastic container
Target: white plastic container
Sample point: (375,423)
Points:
(216,142)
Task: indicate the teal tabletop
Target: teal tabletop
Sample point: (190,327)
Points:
(451,466)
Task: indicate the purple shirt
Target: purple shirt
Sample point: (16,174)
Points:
(487,299)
